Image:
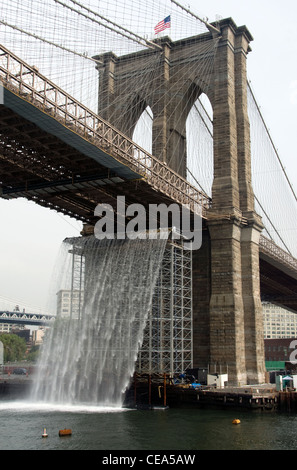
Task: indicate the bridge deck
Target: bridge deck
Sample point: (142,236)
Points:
(278,274)
(60,154)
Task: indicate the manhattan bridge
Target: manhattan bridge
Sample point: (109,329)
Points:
(96,105)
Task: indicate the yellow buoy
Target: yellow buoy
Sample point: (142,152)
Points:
(236,421)
(44,433)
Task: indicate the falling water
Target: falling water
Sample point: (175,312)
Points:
(89,358)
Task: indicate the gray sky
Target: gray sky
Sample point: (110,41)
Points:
(30,236)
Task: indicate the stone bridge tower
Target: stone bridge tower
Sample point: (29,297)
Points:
(228,326)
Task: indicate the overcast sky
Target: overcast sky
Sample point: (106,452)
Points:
(30,236)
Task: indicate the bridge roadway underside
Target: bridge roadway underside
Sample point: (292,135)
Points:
(58,169)
(43,161)
(278,284)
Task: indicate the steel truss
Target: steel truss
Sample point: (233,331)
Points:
(167,342)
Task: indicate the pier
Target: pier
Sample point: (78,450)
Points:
(159,391)
(241,398)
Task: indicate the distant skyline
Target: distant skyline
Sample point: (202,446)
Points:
(30,236)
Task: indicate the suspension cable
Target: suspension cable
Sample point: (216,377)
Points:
(210,27)
(272,143)
(35,36)
(109,27)
(140,39)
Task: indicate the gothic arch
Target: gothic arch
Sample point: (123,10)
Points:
(132,109)
(143,129)
(200,154)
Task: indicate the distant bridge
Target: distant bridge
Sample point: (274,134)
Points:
(23,318)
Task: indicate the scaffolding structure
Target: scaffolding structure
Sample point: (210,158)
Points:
(167,344)
(75,291)
(167,339)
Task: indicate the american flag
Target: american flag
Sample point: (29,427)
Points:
(162,25)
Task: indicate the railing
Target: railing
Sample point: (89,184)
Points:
(28,83)
(273,250)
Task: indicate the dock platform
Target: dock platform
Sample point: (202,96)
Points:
(261,399)
(161,393)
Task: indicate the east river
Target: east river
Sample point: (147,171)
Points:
(104,429)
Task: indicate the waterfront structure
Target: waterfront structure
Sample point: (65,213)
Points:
(167,339)
(167,345)
(100,161)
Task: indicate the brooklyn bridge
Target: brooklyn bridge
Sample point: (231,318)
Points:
(64,156)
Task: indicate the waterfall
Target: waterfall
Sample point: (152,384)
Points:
(89,357)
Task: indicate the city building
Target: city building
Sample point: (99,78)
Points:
(69,303)
(279,349)
(279,322)
(9,327)
(37,336)
(5,327)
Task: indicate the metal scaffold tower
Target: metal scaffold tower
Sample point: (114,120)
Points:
(77,284)
(167,343)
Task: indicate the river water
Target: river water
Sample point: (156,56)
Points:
(116,429)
